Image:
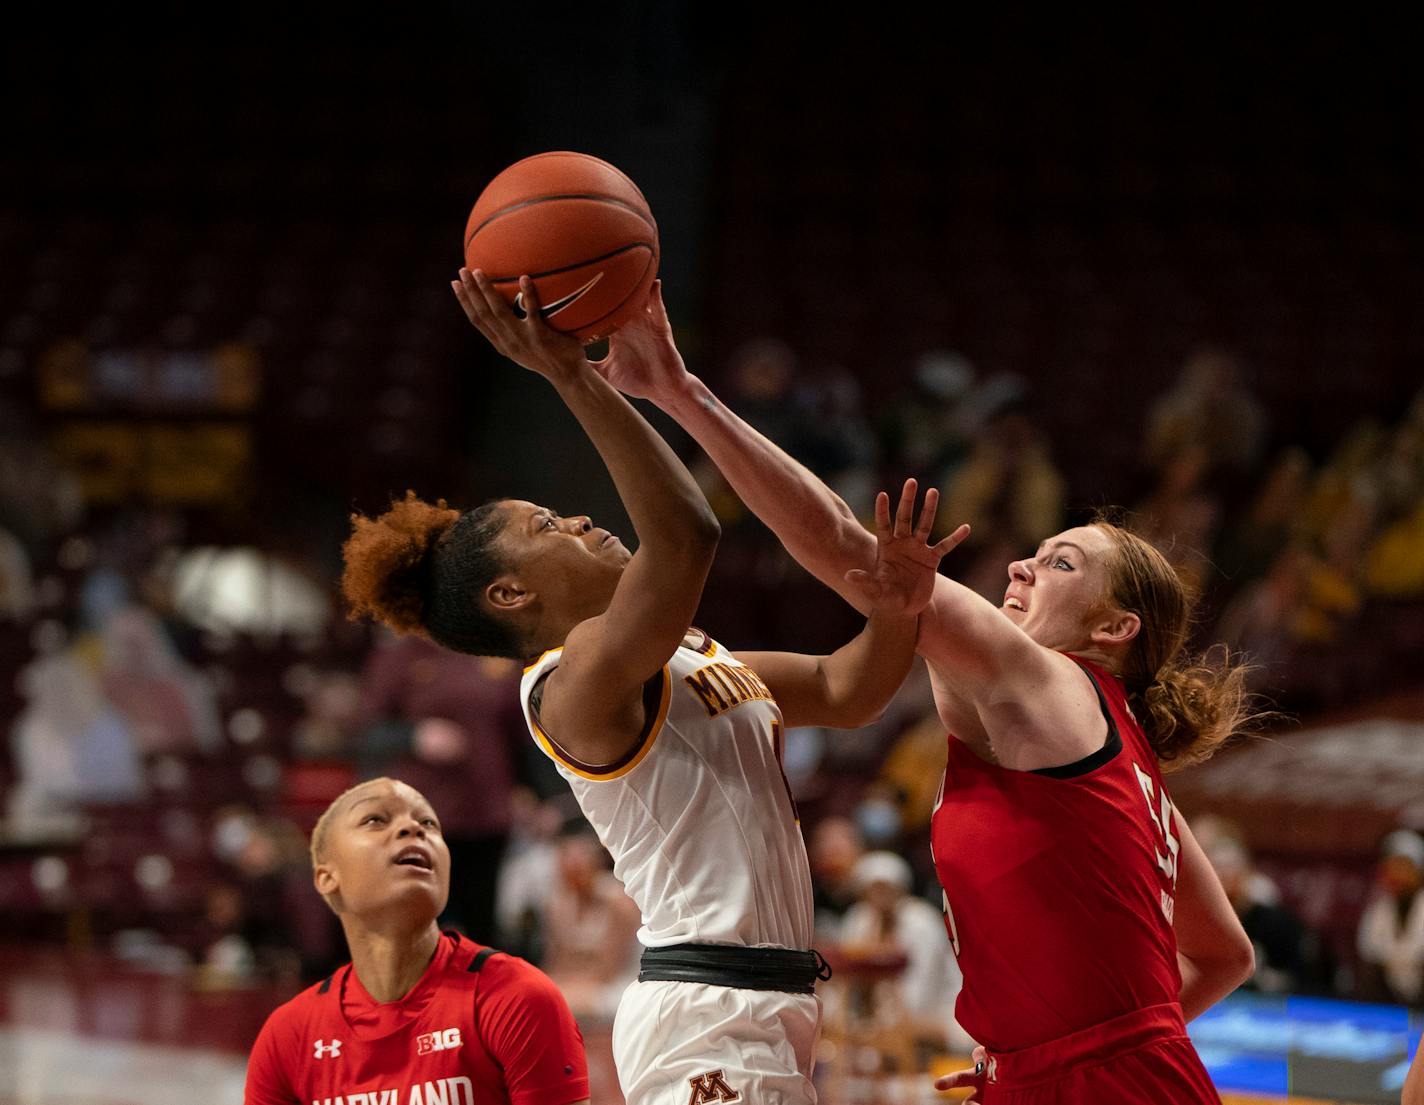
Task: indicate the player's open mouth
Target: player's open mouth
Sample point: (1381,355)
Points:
(1012,603)
(415,857)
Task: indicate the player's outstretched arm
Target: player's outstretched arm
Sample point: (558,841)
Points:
(1213,951)
(608,658)
(961,635)
(814,523)
(852,686)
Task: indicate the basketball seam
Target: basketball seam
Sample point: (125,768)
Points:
(550,199)
(608,314)
(587,156)
(569,268)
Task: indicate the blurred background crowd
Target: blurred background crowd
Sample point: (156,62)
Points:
(1149,278)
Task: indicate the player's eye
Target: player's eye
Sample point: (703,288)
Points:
(548,523)
(1062,563)
(429,821)
(371,817)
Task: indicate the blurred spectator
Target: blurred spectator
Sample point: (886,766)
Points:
(69,744)
(528,874)
(834,438)
(835,847)
(17,592)
(1210,407)
(590,929)
(1391,933)
(1260,621)
(1395,566)
(888,920)
(450,725)
(926,429)
(1180,515)
(225,957)
(38,499)
(1277,933)
(169,706)
(1010,493)
(332,714)
(1247,548)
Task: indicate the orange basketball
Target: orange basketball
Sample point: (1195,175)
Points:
(579,229)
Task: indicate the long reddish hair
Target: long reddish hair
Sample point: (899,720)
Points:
(1187,705)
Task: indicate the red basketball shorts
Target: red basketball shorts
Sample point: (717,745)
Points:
(1141,1057)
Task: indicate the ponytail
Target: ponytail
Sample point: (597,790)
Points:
(420,568)
(1191,708)
(1187,707)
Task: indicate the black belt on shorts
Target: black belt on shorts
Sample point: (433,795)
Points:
(741,968)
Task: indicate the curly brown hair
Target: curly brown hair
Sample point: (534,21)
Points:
(420,568)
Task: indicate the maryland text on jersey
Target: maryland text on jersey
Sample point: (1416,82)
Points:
(455,1090)
(720,686)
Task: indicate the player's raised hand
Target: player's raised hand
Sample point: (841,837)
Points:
(529,341)
(643,360)
(974,1076)
(902,578)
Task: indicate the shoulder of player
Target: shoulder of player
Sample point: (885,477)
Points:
(502,972)
(295,1015)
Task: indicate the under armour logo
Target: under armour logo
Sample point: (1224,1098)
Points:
(711,1087)
(326,1050)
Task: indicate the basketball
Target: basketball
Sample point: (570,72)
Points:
(579,228)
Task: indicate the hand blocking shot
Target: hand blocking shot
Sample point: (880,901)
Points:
(671,744)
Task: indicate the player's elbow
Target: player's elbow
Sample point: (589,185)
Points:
(1241,961)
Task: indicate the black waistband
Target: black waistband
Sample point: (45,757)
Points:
(791,972)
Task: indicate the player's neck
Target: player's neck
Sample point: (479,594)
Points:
(389,962)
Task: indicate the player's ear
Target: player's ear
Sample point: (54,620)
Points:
(507,595)
(324,879)
(1116,627)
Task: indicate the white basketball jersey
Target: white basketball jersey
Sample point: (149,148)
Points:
(698,815)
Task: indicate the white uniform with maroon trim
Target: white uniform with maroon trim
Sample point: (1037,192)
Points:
(702,828)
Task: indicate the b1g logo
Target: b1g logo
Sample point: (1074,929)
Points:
(446,1040)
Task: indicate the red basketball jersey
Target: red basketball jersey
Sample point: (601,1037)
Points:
(1059,885)
(479,1028)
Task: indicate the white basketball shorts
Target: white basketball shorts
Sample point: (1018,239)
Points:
(691,1043)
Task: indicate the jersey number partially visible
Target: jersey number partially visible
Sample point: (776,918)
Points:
(1161,811)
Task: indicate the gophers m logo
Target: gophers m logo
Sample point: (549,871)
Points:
(710,1087)
(324,1050)
(445,1040)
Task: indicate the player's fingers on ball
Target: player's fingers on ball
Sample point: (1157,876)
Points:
(656,308)
(905,513)
(487,299)
(532,305)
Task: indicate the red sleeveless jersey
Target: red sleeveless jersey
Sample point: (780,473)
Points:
(479,1028)
(1059,885)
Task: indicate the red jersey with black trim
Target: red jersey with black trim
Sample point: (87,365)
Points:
(1059,885)
(479,1028)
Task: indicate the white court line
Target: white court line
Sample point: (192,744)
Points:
(52,1068)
